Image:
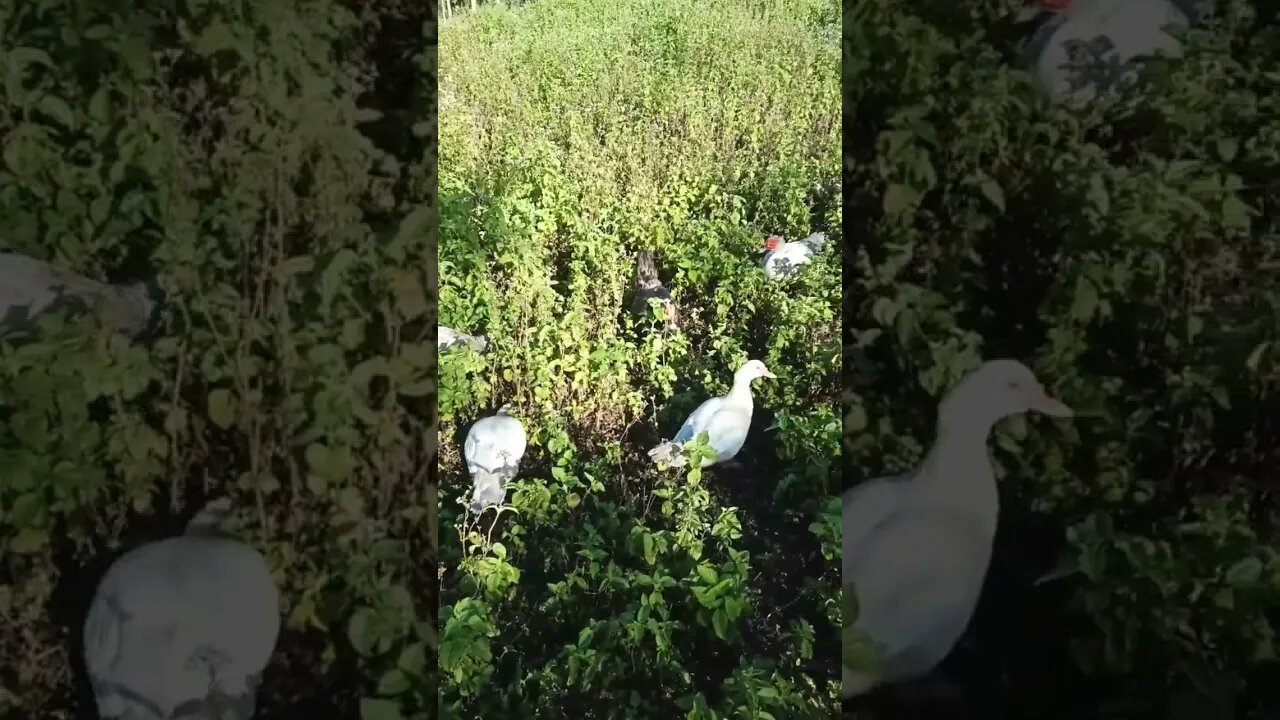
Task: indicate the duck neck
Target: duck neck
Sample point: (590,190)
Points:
(957,470)
(740,393)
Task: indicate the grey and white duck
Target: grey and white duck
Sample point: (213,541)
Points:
(447,339)
(31,287)
(494,447)
(183,627)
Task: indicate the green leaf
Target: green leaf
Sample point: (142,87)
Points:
(58,109)
(1227,148)
(1244,572)
(413,660)
(394,682)
(1235,213)
(720,623)
(360,631)
(899,199)
(379,709)
(222,408)
(29,541)
(216,37)
(707,574)
(1098,195)
(650,556)
(856,419)
(991,190)
(1085,301)
(1255,356)
(411,300)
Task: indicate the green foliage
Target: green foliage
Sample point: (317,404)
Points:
(221,148)
(1123,250)
(574,134)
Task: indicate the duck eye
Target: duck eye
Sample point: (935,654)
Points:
(1014,384)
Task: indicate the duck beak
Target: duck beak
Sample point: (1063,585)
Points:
(769,375)
(1052,407)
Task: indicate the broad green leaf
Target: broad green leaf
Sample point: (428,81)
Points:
(222,408)
(379,709)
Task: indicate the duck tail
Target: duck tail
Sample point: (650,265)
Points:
(668,453)
(488,488)
(210,518)
(646,270)
(101,648)
(479,343)
(816,241)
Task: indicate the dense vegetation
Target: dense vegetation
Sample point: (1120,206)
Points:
(267,163)
(574,133)
(1128,253)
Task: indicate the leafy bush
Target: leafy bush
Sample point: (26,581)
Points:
(230,150)
(1125,252)
(572,134)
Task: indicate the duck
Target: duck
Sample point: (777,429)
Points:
(725,419)
(31,287)
(917,545)
(493,450)
(650,290)
(783,259)
(183,627)
(447,339)
(1083,49)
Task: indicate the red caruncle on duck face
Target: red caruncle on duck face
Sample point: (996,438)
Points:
(772,242)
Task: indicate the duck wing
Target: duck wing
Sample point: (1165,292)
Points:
(867,506)
(698,420)
(727,430)
(917,574)
(495,445)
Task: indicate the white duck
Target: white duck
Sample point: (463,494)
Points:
(1090,47)
(916,546)
(493,450)
(183,627)
(725,419)
(448,338)
(783,259)
(29,287)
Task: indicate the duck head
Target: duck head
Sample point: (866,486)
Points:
(751,370)
(772,243)
(996,390)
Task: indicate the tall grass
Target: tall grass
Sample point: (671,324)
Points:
(573,134)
